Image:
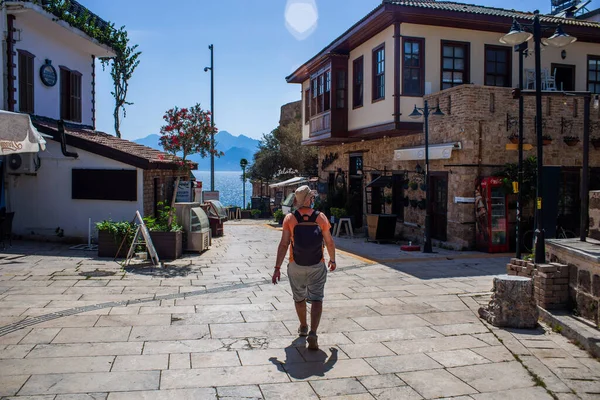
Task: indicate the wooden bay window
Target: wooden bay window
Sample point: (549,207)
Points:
(497,66)
(379,73)
(413,67)
(455,64)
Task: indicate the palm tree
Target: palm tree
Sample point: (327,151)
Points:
(243,165)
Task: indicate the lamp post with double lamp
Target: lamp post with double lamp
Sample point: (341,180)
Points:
(425,112)
(514,37)
(212,116)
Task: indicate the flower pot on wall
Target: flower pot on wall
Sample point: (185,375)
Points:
(571,141)
(546,142)
(168,245)
(596,143)
(514,139)
(413,203)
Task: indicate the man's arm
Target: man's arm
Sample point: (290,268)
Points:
(282,248)
(330,248)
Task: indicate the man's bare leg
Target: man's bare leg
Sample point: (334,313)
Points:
(316,309)
(301,311)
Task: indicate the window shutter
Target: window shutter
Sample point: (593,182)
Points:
(65,94)
(75,96)
(26,82)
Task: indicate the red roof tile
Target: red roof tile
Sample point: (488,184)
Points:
(112,146)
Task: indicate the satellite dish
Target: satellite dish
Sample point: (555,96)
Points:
(15,161)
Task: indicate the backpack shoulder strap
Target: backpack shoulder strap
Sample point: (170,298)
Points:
(298,216)
(314,216)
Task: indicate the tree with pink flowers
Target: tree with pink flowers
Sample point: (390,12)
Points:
(187,131)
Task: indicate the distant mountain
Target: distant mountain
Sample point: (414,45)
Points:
(234,147)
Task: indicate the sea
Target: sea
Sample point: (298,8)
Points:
(228,184)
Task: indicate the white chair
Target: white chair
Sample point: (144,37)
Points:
(529,78)
(347,227)
(548,81)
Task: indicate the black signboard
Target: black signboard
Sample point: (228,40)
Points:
(48,74)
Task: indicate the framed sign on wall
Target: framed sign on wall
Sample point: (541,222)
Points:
(48,74)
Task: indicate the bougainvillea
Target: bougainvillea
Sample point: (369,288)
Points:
(188,131)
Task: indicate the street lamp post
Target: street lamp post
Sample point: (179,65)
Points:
(424,112)
(212,117)
(517,36)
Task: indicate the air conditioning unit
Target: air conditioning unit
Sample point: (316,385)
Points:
(22,163)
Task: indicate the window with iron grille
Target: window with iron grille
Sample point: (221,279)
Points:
(379,73)
(455,64)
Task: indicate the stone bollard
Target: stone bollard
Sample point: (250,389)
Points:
(513,304)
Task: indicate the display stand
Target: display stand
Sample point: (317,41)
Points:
(142,237)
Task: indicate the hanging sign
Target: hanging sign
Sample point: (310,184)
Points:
(48,74)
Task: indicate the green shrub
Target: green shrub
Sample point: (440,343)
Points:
(160,223)
(255,212)
(338,212)
(119,230)
(278,216)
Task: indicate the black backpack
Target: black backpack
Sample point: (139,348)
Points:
(307,246)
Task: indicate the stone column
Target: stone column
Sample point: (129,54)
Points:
(513,304)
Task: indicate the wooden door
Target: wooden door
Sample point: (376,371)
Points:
(439,205)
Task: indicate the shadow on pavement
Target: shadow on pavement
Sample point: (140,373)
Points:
(317,364)
(459,268)
(168,271)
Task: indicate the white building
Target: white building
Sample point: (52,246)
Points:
(48,60)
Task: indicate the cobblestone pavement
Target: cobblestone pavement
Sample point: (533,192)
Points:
(213,326)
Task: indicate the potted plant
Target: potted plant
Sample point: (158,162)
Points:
(405,185)
(278,216)
(421,204)
(111,235)
(546,140)
(571,140)
(255,213)
(595,142)
(414,185)
(514,138)
(423,187)
(413,203)
(338,213)
(167,238)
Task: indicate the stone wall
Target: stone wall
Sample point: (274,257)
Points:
(481,119)
(166,182)
(584,278)
(594,215)
(551,281)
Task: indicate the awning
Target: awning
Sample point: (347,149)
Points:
(293,181)
(18,135)
(436,152)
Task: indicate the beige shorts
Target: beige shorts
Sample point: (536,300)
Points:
(307,282)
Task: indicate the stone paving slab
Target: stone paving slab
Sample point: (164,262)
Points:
(392,328)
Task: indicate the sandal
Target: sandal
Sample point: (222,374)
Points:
(303,330)
(313,341)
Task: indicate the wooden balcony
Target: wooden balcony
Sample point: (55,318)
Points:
(320,124)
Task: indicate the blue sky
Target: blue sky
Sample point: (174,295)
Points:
(254,52)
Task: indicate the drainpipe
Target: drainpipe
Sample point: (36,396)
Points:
(3,72)
(63,141)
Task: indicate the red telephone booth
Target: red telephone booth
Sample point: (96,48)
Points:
(491,211)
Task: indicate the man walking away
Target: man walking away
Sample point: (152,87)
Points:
(305,230)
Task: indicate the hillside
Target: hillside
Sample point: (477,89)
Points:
(234,147)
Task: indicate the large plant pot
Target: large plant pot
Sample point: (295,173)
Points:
(108,245)
(246,214)
(168,245)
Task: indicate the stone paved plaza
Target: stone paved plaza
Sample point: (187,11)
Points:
(214,327)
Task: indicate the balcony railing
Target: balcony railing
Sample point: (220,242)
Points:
(320,123)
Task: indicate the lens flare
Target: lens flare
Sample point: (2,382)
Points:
(301,18)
